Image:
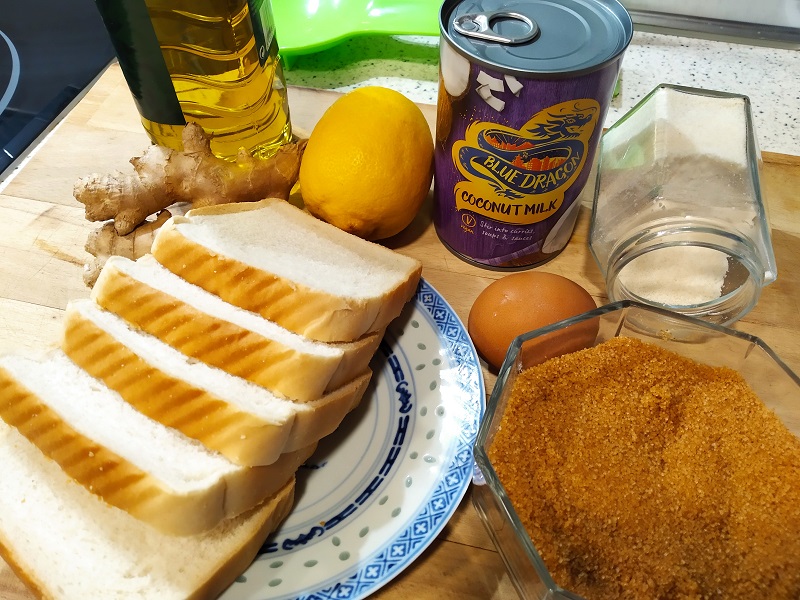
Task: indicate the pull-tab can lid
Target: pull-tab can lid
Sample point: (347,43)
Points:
(547,38)
(481,26)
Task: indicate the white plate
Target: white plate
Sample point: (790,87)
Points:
(382,487)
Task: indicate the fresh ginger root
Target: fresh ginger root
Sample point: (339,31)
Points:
(164,177)
(105,241)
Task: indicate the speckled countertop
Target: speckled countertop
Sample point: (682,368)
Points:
(770,77)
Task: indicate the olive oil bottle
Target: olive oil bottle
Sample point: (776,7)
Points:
(214,62)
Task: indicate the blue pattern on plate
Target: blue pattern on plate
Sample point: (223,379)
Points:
(432,518)
(434,338)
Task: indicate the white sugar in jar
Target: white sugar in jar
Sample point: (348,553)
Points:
(678,220)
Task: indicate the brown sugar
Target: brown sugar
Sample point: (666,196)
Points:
(640,474)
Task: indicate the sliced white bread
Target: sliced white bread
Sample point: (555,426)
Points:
(67,544)
(153,472)
(243,343)
(245,422)
(274,259)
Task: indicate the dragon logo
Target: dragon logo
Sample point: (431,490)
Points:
(562,126)
(520,175)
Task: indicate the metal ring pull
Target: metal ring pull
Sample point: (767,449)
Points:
(479,25)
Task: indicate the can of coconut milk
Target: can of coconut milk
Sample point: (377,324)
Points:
(524,87)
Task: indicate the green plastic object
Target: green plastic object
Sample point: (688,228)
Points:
(308,26)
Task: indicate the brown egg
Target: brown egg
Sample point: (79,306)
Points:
(521,302)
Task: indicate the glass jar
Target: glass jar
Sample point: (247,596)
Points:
(678,219)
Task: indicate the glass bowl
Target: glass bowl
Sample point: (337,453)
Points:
(678,219)
(776,385)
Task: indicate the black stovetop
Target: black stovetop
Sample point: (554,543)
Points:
(50,52)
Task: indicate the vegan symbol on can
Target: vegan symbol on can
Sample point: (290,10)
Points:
(521,105)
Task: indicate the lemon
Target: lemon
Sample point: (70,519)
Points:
(368,164)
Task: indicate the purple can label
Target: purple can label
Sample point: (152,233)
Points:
(512,155)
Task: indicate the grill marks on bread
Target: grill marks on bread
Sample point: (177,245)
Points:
(273,297)
(246,423)
(203,326)
(272,258)
(132,462)
(98,469)
(174,402)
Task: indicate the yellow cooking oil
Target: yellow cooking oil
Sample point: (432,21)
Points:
(223,62)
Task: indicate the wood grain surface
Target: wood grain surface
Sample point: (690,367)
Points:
(43,231)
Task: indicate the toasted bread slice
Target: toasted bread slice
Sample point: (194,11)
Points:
(274,259)
(65,543)
(151,471)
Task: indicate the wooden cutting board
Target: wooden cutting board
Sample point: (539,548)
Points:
(43,230)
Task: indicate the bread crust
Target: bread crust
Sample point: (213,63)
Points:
(273,512)
(356,359)
(313,313)
(29,578)
(315,420)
